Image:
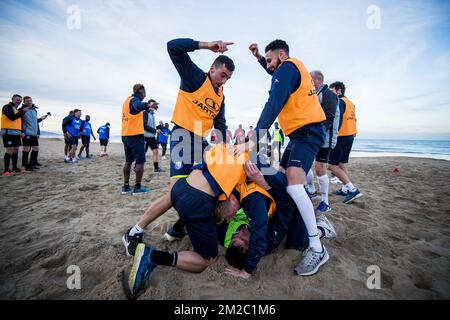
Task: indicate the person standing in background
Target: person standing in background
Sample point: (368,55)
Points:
(340,155)
(11,130)
(239,135)
(30,126)
(86,138)
(133,139)
(103,136)
(72,128)
(66,141)
(163,139)
(277,141)
(150,133)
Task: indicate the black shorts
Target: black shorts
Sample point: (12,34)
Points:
(185,151)
(151,142)
(85,140)
(104,142)
(73,141)
(134,147)
(11,141)
(196,210)
(303,147)
(341,153)
(323,155)
(30,141)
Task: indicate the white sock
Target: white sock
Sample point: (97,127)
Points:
(305,206)
(136,229)
(67,158)
(310,181)
(324,184)
(350,187)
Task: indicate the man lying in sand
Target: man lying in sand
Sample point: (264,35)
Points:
(194,198)
(237,235)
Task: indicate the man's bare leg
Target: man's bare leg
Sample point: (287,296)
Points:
(158,208)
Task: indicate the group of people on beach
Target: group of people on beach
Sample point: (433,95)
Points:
(20,127)
(74,129)
(230,194)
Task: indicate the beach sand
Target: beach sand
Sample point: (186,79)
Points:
(67,214)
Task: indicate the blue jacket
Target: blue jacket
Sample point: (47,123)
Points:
(163,137)
(192,77)
(73,125)
(87,128)
(103,132)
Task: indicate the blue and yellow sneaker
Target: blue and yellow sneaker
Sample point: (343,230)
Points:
(142,268)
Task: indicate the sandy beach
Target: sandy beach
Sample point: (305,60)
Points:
(68,214)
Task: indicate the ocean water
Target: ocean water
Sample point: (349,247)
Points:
(434,149)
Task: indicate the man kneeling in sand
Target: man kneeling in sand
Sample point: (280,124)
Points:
(194,198)
(243,240)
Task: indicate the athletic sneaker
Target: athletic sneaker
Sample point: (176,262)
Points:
(141,190)
(311,262)
(8,173)
(90,156)
(126,189)
(130,242)
(67,160)
(351,196)
(326,227)
(37,164)
(80,157)
(160,169)
(340,193)
(173,235)
(323,207)
(142,268)
(335,180)
(16,170)
(74,161)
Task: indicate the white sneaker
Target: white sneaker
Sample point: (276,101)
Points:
(311,262)
(325,225)
(335,180)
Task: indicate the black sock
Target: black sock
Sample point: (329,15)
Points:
(156,165)
(164,258)
(25,158)
(33,157)
(137,185)
(178,226)
(7,160)
(15,158)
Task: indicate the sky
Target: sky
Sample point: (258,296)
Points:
(393,56)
